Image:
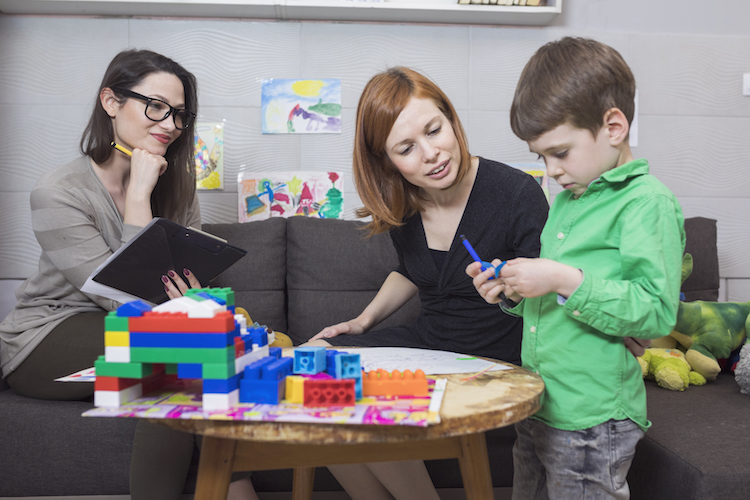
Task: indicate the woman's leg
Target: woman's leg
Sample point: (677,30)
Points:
(160,462)
(405,480)
(359,482)
(71,346)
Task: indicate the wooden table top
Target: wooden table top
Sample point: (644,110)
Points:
(491,400)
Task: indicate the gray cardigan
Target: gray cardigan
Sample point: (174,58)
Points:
(78,226)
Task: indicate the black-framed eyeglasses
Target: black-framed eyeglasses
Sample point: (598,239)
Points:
(158,110)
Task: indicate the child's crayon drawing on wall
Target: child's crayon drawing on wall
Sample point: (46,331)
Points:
(209,155)
(301,106)
(287,194)
(538,171)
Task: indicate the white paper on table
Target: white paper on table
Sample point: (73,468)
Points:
(429,361)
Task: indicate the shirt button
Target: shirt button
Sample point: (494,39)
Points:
(532,329)
(576,313)
(560,236)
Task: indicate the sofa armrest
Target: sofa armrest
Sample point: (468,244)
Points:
(703,282)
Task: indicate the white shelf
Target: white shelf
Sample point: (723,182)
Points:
(395,11)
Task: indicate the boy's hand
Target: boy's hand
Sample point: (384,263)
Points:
(536,277)
(485,282)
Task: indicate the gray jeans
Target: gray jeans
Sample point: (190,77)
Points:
(587,464)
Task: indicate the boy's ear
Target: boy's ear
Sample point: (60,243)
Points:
(617,125)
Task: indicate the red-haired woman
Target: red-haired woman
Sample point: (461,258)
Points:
(417,180)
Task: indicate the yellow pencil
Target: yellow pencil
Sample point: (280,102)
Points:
(121,149)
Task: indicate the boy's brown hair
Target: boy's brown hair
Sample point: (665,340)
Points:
(571,80)
(385,194)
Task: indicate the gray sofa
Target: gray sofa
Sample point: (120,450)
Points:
(303,274)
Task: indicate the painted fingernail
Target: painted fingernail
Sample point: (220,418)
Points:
(166,289)
(186,272)
(165,279)
(172,274)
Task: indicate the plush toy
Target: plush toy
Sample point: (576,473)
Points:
(742,370)
(707,331)
(669,368)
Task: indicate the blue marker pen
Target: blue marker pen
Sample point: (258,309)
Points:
(485,265)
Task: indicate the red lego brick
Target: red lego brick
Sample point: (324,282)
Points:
(222,322)
(114,383)
(382,383)
(239,347)
(334,392)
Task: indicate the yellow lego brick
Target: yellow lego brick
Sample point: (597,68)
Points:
(295,390)
(117,339)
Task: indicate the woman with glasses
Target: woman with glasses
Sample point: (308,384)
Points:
(84,211)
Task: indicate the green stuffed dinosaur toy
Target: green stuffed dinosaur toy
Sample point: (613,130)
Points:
(707,331)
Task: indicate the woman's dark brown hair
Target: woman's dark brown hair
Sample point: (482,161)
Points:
(176,187)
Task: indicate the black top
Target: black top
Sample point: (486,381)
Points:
(503,218)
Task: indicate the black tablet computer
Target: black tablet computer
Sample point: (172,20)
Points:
(134,271)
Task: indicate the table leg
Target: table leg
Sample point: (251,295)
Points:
(475,467)
(215,468)
(302,483)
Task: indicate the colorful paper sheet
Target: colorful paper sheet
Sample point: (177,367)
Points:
(183,400)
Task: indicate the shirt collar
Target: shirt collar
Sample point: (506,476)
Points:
(623,172)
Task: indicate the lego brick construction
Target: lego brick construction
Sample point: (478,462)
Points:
(183,399)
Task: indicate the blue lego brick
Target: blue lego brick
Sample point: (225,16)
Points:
(189,370)
(331,362)
(133,309)
(347,365)
(278,369)
(274,352)
(309,360)
(157,339)
(259,338)
(265,380)
(221,386)
(262,391)
(358,387)
(254,371)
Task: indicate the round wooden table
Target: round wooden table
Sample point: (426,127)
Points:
(471,407)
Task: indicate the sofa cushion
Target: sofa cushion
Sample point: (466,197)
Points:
(697,447)
(333,270)
(259,278)
(703,283)
(49,449)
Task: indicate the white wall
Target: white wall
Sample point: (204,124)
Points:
(688,57)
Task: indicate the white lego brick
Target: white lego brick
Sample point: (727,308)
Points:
(113,399)
(116,354)
(250,357)
(212,401)
(194,308)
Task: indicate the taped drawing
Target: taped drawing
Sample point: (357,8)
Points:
(301,106)
(288,194)
(209,155)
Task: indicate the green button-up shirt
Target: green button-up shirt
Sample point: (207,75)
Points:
(626,234)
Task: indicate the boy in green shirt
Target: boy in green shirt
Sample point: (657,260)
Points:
(609,268)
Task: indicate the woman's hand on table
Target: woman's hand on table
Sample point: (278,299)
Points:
(345,328)
(175,285)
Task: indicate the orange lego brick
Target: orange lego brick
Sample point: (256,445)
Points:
(382,383)
(151,321)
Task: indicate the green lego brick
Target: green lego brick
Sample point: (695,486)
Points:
(170,368)
(219,370)
(182,354)
(115,323)
(122,370)
(226,294)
